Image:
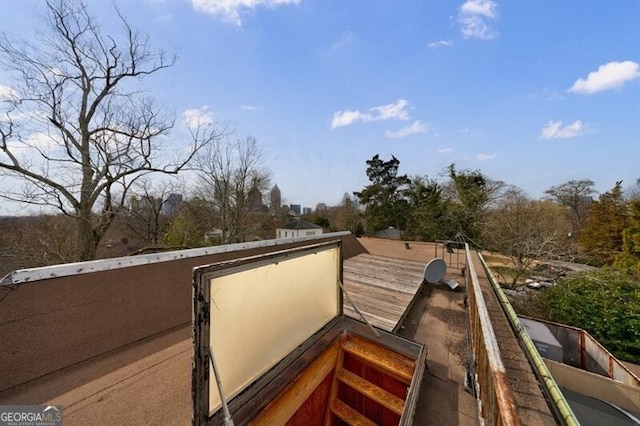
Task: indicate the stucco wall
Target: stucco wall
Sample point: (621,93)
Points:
(49,324)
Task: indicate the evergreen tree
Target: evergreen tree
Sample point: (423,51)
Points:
(602,235)
(630,257)
(427,210)
(384,200)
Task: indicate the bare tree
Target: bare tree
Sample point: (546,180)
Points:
(32,241)
(633,193)
(525,230)
(75,129)
(348,216)
(575,195)
(146,214)
(228,169)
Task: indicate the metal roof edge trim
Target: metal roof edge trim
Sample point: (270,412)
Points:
(46,272)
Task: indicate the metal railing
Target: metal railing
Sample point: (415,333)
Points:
(494,395)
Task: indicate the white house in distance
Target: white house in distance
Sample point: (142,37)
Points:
(298,228)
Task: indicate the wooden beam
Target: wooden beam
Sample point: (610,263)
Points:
(382,359)
(371,391)
(333,393)
(349,415)
(285,406)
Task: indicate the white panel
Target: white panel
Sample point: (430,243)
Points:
(260,315)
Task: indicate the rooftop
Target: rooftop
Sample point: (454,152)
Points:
(112,340)
(300,224)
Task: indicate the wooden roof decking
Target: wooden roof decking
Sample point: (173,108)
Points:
(381,287)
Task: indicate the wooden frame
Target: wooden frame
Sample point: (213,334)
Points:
(312,368)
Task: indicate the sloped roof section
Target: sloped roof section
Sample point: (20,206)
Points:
(301,224)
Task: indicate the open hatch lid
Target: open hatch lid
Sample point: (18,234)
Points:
(254,311)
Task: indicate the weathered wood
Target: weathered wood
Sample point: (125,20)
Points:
(376,320)
(334,385)
(377,306)
(386,301)
(349,415)
(353,276)
(371,308)
(379,269)
(382,288)
(375,393)
(389,362)
(385,261)
(288,402)
(363,285)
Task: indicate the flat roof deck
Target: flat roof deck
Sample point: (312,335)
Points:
(149,382)
(438,318)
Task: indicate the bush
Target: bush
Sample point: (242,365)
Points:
(605,303)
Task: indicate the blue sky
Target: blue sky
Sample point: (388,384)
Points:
(533,93)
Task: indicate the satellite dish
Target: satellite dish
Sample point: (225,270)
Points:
(435,270)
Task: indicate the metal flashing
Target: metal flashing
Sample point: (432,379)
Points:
(35,274)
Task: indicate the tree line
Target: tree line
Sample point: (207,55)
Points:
(567,225)
(79,135)
(467,205)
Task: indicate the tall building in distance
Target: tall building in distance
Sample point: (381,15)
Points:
(321,207)
(276,198)
(296,209)
(147,202)
(306,210)
(172,205)
(254,199)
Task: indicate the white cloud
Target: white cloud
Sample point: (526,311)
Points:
(547,94)
(249,107)
(394,110)
(7,93)
(197,117)
(416,127)
(441,43)
(486,8)
(397,110)
(345,38)
(345,118)
(608,76)
(554,130)
(29,116)
(474,17)
(230,11)
(39,140)
(42,141)
(444,150)
(484,157)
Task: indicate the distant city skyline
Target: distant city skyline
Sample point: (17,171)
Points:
(530,93)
